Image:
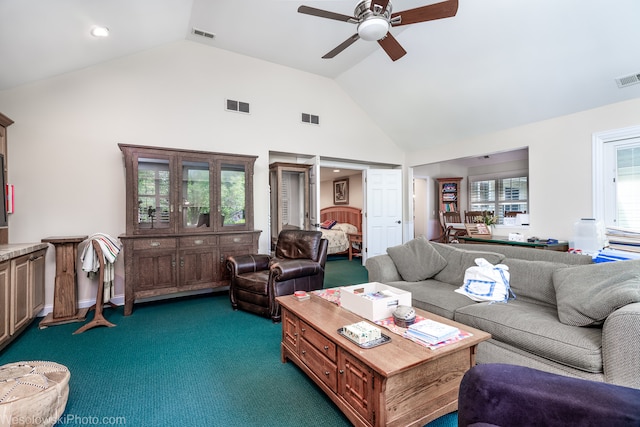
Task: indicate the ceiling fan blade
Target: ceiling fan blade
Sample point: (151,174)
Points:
(445,9)
(326,14)
(392,47)
(342,46)
(382,3)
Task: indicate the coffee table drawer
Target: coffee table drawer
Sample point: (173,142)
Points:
(319,341)
(325,369)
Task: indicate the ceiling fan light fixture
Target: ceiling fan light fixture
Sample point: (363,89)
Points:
(373,29)
(100,31)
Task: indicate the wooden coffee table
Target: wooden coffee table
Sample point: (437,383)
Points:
(399,383)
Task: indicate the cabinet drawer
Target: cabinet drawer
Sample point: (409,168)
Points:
(154,244)
(319,341)
(198,241)
(325,369)
(233,239)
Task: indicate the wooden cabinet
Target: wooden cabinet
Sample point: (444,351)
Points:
(290,201)
(20,298)
(448,194)
(5,306)
(21,292)
(36,278)
(186,211)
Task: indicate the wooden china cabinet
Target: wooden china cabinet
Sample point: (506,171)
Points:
(186,212)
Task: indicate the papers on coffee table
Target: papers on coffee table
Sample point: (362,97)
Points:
(431,332)
(390,325)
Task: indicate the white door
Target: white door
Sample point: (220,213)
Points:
(383,211)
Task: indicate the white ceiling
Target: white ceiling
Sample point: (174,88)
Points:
(495,65)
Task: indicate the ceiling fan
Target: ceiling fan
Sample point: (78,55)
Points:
(374,19)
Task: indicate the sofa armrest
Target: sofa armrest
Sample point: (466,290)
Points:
(620,346)
(240,264)
(294,268)
(381,268)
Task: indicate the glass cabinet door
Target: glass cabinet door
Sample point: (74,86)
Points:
(153,210)
(233,195)
(195,192)
(186,191)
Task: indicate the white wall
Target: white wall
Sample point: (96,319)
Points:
(63,155)
(356,198)
(560,162)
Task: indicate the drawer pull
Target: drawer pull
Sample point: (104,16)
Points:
(154,244)
(303,330)
(341,371)
(326,347)
(304,352)
(327,373)
(295,334)
(198,242)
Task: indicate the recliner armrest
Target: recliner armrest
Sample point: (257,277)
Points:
(240,264)
(293,268)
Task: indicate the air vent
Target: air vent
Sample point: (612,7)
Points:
(237,106)
(628,80)
(203,33)
(310,118)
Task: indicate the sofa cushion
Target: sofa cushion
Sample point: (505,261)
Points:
(459,260)
(533,280)
(416,260)
(587,294)
(434,296)
(535,328)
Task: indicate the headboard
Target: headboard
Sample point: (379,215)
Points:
(344,214)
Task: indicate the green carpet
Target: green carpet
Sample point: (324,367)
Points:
(186,362)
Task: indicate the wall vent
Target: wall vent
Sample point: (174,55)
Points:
(203,33)
(237,106)
(310,118)
(628,80)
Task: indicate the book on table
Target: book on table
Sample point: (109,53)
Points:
(432,332)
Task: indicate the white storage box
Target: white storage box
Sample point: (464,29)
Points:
(373,301)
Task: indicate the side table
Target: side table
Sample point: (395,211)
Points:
(354,238)
(65,294)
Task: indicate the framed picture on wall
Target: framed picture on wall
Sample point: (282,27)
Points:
(341,191)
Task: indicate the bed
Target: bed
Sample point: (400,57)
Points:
(348,220)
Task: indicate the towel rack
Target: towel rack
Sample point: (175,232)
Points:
(98,318)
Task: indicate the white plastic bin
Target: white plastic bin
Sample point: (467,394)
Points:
(588,236)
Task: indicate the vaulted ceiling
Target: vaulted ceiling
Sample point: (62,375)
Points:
(496,64)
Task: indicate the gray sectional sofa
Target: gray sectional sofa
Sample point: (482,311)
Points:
(569,315)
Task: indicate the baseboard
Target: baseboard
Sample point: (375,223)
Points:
(119,299)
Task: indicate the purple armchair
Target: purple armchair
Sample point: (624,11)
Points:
(509,395)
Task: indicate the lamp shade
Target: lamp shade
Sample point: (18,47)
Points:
(373,28)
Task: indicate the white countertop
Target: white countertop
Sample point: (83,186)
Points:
(18,249)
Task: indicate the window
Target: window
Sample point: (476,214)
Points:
(500,194)
(621,165)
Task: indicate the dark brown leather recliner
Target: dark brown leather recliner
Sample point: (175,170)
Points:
(257,279)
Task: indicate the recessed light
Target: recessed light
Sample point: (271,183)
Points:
(99,31)
(336,170)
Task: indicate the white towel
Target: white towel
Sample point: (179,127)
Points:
(110,249)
